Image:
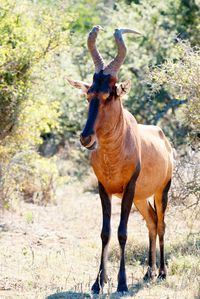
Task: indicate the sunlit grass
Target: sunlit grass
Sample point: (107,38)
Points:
(54,253)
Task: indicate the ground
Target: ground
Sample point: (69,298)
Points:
(53,251)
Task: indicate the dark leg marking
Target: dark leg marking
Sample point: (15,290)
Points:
(127,202)
(165,196)
(162,270)
(105,237)
(151,271)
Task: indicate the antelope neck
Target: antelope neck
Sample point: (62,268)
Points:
(112,138)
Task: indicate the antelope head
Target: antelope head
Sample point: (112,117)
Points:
(103,93)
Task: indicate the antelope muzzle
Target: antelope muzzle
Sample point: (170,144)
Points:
(88,142)
(87,137)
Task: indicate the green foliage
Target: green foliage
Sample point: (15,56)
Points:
(181,77)
(28,33)
(180,264)
(29,217)
(28,176)
(40,182)
(85,15)
(30,37)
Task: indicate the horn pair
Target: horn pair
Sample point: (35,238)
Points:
(114,66)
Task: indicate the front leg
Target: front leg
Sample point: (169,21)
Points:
(105,237)
(127,202)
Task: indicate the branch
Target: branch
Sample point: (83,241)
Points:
(134,71)
(173,104)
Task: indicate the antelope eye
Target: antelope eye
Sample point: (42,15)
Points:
(90,94)
(105,96)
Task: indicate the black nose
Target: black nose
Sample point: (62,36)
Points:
(85,140)
(89,142)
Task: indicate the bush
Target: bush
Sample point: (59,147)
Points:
(184,264)
(31,35)
(186,179)
(30,177)
(181,77)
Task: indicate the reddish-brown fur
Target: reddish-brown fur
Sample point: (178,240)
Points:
(125,147)
(122,143)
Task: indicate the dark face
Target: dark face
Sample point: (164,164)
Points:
(99,94)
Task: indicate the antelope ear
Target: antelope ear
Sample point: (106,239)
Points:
(79,84)
(123,87)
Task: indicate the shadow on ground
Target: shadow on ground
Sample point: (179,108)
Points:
(132,291)
(75,295)
(69,295)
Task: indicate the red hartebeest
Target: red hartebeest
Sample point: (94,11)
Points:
(130,160)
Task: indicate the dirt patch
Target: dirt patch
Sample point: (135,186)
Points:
(54,250)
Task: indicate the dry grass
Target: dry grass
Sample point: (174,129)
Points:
(53,252)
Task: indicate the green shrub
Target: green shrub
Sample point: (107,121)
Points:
(30,177)
(184,264)
(31,36)
(181,77)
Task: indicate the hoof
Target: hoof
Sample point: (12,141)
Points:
(99,283)
(122,288)
(95,288)
(150,275)
(162,275)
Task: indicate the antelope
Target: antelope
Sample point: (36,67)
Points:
(130,160)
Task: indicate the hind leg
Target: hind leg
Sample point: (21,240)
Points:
(150,217)
(161,200)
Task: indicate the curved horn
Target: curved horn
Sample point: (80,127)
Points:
(116,63)
(96,56)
